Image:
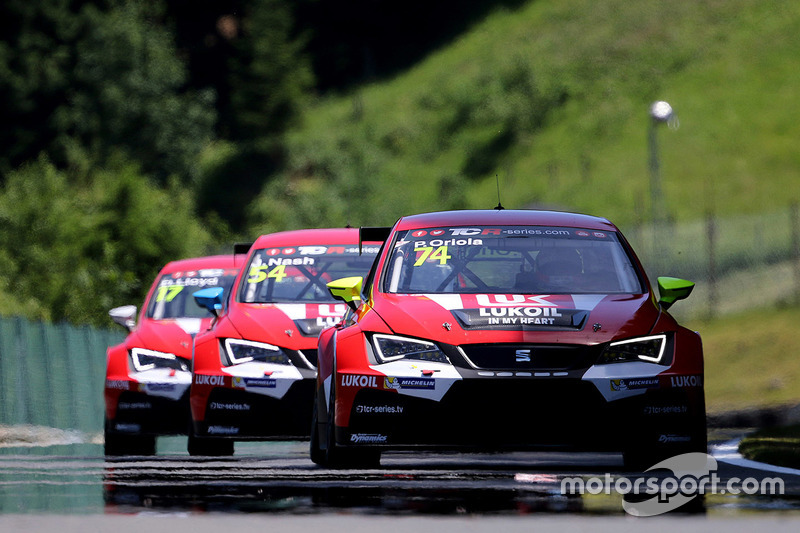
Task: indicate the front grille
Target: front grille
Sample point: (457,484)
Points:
(530,356)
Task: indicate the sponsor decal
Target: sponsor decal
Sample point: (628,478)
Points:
(203,379)
(665,409)
(674,438)
(222,406)
(311,327)
(408,383)
(331,310)
(134,405)
(519,312)
(156,387)
(266,383)
(519,317)
(498,300)
(317,251)
(634,383)
(686,381)
(243,383)
(352,380)
(313,250)
(315,318)
(371,438)
(379,409)
(128,428)
(223,430)
(117,384)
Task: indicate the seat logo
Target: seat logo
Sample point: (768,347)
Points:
(523,356)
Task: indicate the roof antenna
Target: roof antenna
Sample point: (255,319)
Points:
(499,206)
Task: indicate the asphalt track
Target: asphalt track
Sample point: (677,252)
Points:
(274,485)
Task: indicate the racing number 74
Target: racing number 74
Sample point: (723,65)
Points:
(428,252)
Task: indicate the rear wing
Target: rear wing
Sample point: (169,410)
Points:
(241,247)
(379,234)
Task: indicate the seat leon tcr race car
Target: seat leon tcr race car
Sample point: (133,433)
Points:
(149,374)
(254,369)
(504,329)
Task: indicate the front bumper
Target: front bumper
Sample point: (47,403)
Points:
(260,402)
(244,415)
(503,410)
(140,413)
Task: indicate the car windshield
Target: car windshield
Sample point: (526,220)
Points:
(301,274)
(173,295)
(511,259)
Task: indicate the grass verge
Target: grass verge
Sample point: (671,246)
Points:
(777,446)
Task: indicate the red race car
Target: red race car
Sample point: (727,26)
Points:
(148,376)
(254,369)
(502,329)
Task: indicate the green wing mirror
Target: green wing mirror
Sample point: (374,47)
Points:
(671,290)
(347,289)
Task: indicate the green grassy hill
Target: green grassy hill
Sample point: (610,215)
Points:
(552,98)
(751,359)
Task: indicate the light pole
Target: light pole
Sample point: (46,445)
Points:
(660,112)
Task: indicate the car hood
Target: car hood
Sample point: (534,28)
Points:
(171,336)
(480,318)
(289,325)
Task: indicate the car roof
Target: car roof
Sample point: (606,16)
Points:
(308,237)
(504,217)
(197,263)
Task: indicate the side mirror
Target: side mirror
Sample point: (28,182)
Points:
(125,316)
(671,290)
(210,298)
(348,290)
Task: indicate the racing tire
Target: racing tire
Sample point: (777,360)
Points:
(338,457)
(209,447)
(116,444)
(316,452)
(639,458)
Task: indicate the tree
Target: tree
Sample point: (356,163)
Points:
(72,252)
(85,80)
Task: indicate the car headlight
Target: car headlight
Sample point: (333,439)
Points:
(649,349)
(392,348)
(239,351)
(143,359)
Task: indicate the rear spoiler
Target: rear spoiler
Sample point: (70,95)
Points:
(241,247)
(379,234)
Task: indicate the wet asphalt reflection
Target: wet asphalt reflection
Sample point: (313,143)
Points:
(279,477)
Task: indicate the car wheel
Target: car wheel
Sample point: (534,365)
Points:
(318,455)
(641,457)
(115,444)
(199,446)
